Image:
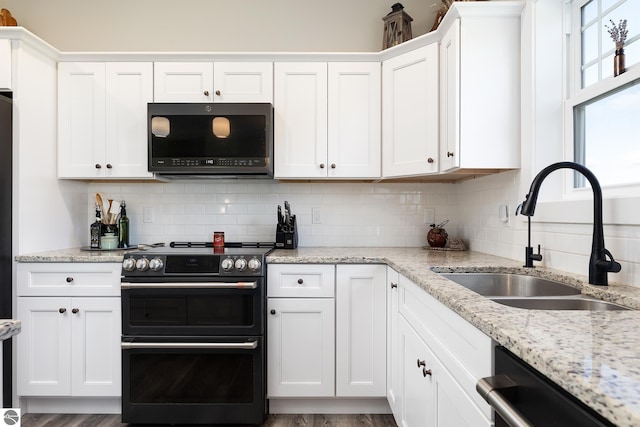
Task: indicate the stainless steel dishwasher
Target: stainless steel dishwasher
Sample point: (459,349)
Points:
(523,397)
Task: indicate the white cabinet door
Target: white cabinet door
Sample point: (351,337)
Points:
(480,93)
(44,347)
(354,120)
(5,64)
(450,89)
(95,347)
(183,82)
(300,128)
(393,348)
(81,119)
(361,330)
(102,119)
(417,404)
(301,349)
(243,82)
(69,347)
(129,89)
(410,113)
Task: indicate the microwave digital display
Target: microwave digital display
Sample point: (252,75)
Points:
(226,139)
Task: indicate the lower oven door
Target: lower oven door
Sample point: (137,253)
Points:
(193,380)
(193,307)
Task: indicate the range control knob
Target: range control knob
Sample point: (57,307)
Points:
(142,264)
(128,264)
(156,264)
(227,264)
(254,264)
(241,264)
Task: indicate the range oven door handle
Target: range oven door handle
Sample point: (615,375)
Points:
(190,285)
(251,345)
(493,390)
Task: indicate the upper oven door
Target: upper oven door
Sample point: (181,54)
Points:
(193,308)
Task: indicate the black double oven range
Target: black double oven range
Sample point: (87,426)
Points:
(193,335)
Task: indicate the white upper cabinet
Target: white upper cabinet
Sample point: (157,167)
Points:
(353,149)
(213,82)
(300,120)
(243,82)
(410,113)
(102,116)
(5,64)
(480,93)
(327,120)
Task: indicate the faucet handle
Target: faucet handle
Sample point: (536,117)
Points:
(538,256)
(609,266)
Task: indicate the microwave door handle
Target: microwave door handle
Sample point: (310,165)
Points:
(491,389)
(190,285)
(251,345)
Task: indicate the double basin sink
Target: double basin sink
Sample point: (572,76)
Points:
(535,293)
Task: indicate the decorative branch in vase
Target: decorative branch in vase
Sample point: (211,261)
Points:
(618,34)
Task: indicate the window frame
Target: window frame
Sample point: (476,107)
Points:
(578,95)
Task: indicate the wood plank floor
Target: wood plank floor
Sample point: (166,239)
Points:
(83,420)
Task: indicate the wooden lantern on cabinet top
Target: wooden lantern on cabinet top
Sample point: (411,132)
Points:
(397,27)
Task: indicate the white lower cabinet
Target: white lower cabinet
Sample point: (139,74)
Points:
(321,345)
(441,356)
(361,330)
(300,350)
(71,326)
(69,346)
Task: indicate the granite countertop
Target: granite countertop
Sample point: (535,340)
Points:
(73,255)
(9,328)
(592,354)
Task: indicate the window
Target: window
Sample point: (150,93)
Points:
(604,109)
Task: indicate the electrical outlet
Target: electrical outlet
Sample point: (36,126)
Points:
(316,215)
(429,216)
(148,215)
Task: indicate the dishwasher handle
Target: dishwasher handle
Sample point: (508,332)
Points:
(492,390)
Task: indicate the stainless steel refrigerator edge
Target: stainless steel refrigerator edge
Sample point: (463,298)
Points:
(6,296)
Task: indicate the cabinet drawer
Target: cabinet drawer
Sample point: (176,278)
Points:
(68,279)
(301,280)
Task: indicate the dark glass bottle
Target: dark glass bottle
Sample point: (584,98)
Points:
(96,229)
(123,226)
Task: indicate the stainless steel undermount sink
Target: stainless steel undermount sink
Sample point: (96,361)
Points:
(571,303)
(510,285)
(529,292)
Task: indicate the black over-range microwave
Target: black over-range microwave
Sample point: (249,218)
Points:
(211,138)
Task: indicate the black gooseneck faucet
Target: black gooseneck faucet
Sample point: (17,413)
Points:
(599,265)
